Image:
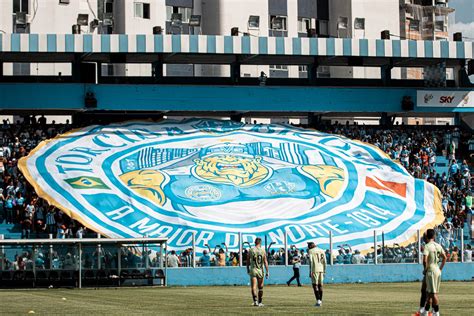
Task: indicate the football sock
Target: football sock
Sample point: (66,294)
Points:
(427,307)
(320,287)
(254,298)
(260,295)
(435,308)
(316,293)
(423,298)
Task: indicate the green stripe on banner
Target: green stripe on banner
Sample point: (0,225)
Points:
(280,45)
(428,49)
(460,53)
(87,43)
(51,42)
(380,48)
(33,42)
(296,46)
(263,45)
(211,44)
(193,43)
(245,43)
(158,42)
(363,47)
(123,43)
(347,47)
(228,45)
(105,43)
(313,46)
(396,48)
(69,43)
(330,46)
(412,49)
(444,49)
(15,42)
(176,43)
(141,43)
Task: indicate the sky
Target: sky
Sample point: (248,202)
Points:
(463,19)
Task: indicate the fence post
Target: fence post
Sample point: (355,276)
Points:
(166,263)
(418,236)
(51,253)
(2,254)
(79,246)
(286,248)
(375,246)
(462,244)
(193,256)
(99,251)
(331,260)
(119,263)
(241,250)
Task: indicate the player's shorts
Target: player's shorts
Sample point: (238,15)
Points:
(256,273)
(433,281)
(317,278)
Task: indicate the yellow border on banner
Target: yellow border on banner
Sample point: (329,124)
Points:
(22,165)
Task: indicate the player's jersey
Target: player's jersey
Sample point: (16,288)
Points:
(317,260)
(257,255)
(433,250)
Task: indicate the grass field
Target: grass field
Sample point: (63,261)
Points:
(457,298)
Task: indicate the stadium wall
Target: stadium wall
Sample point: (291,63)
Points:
(335,274)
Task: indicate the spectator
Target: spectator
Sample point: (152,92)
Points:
(468,253)
(205,259)
(454,257)
(357,258)
(173,260)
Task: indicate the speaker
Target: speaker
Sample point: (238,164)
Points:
(457,37)
(157,30)
(90,102)
(385,35)
(76,29)
(407,104)
(234,31)
(88,72)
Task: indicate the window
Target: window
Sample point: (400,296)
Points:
(185,13)
(142,10)
(278,67)
(415,25)
(323,28)
(278,23)
(109,7)
(440,27)
(359,24)
(20,6)
(304,24)
(303,68)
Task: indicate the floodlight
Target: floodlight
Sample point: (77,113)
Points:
(342,22)
(359,24)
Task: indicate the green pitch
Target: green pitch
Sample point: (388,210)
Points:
(388,298)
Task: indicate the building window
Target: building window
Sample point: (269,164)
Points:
(303,68)
(185,13)
(20,6)
(304,24)
(415,25)
(359,24)
(322,28)
(278,23)
(278,67)
(142,10)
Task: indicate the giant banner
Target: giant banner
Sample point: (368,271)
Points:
(218,179)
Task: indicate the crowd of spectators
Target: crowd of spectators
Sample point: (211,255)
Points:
(417,148)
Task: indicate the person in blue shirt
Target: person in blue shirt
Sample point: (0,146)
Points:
(453,167)
(205,259)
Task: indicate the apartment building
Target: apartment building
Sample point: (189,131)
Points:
(413,19)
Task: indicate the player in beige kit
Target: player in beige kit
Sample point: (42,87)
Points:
(431,256)
(317,269)
(256,262)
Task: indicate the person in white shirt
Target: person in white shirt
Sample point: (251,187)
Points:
(173,260)
(468,254)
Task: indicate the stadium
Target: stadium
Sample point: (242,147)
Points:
(242,157)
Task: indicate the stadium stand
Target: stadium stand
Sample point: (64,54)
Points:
(442,155)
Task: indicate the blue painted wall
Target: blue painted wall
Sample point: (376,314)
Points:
(335,274)
(208,98)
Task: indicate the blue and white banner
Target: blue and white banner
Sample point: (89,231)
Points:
(217,179)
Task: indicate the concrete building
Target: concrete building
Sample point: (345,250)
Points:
(414,19)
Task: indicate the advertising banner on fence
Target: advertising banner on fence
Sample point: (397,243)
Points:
(437,98)
(218,179)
